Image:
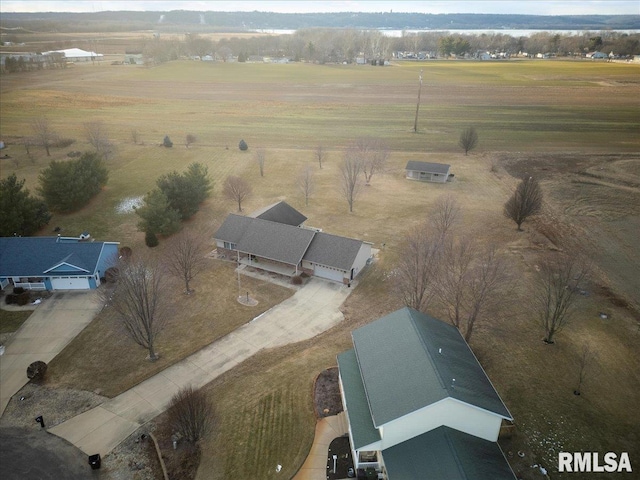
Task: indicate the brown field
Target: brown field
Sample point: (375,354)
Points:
(574,125)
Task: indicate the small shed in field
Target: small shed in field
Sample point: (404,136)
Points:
(428,172)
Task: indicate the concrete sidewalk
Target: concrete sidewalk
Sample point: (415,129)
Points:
(310,311)
(327,428)
(56,321)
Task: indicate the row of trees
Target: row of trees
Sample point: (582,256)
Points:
(335,45)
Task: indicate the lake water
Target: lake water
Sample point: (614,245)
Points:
(506,31)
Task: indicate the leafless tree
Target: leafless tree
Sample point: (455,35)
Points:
(98,137)
(260,156)
(445,214)
(373,153)
(189,139)
(191,414)
(586,360)
(185,256)
(139,296)
(306,183)
(468,139)
(349,181)
(556,292)
(525,202)
(469,281)
(321,155)
(236,189)
(135,135)
(418,267)
(43,133)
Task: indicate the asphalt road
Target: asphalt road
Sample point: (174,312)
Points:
(30,454)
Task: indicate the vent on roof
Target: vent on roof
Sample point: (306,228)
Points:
(453,383)
(440,351)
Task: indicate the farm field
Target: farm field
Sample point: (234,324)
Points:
(574,125)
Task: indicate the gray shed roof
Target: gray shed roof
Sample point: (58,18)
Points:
(233,228)
(275,241)
(333,251)
(280,212)
(34,256)
(363,432)
(441,168)
(446,454)
(402,370)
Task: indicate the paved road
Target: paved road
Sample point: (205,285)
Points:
(49,329)
(35,454)
(310,311)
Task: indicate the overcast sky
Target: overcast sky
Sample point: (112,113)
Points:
(530,7)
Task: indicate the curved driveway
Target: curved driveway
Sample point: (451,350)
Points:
(310,311)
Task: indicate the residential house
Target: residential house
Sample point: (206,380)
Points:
(274,239)
(418,403)
(54,263)
(428,172)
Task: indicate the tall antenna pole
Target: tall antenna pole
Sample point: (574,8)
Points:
(415,123)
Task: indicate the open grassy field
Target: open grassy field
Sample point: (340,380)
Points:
(575,124)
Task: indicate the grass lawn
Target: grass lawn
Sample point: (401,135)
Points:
(534,113)
(11,320)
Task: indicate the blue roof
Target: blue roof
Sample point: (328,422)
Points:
(45,256)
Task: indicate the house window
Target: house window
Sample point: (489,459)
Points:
(229,246)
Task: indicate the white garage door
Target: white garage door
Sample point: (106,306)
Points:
(328,273)
(70,283)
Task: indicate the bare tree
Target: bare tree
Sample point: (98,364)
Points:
(587,358)
(306,183)
(260,156)
(185,256)
(415,123)
(418,266)
(445,214)
(189,139)
(469,281)
(139,296)
(349,181)
(98,137)
(556,292)
(190,413)
(525,202)
(468,139)
(135,136)
(43,133)
(236,189)
(321,155)
(373,154)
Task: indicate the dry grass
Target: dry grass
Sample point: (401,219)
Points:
(103,358)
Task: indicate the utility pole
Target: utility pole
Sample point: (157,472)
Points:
(415,123)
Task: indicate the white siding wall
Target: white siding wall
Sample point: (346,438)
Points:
(449,412)
(361,258)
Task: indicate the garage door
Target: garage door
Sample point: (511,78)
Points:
(70,283)
(328,273)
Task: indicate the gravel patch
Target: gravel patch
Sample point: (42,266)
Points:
(129,204)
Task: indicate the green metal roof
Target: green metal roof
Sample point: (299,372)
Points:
(409,360)
(446,454)
(363,432)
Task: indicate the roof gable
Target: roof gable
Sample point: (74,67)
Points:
(39,256)
(440,168)
(409,341)
(233,228)
(281,212)
(333,251)
(275,241)
(447,454)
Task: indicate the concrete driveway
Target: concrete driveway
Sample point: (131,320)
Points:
(310,311)
(56,321)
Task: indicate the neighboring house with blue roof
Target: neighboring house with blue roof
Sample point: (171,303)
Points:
(418,403)
(54,263)
(273,239)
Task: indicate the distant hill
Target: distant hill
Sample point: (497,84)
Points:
(203,21)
